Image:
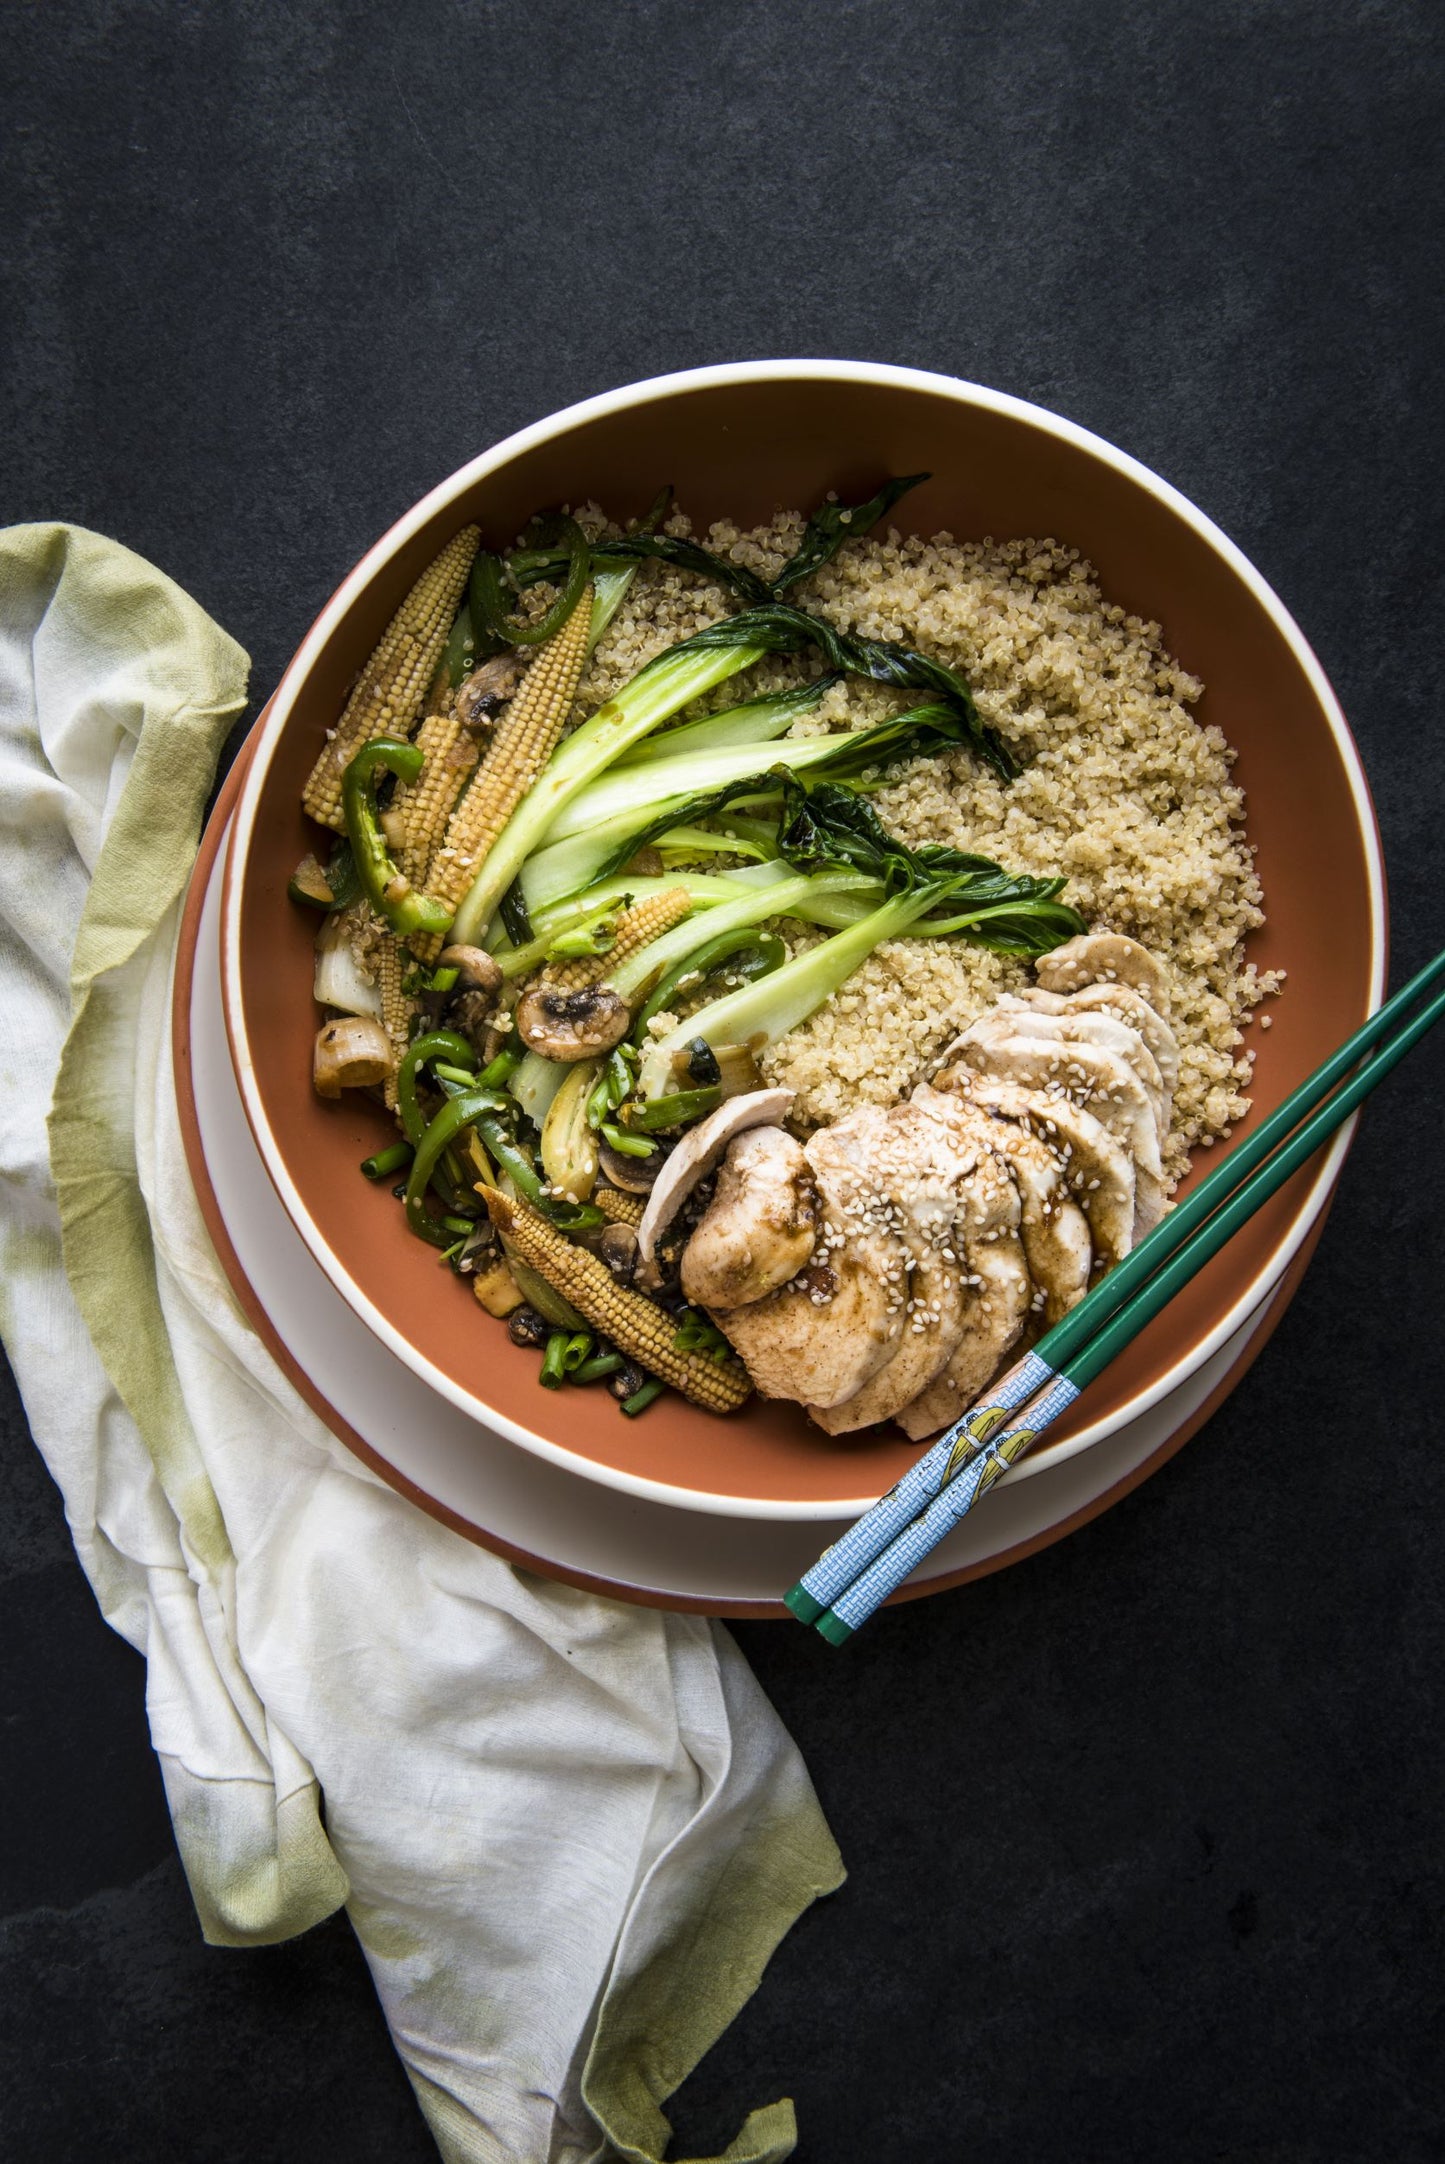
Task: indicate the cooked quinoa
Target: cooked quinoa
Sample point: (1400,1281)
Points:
(1122,791)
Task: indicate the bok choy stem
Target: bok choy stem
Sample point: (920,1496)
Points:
(759,1013)
(667,683)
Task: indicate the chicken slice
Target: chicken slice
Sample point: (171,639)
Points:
(758,1231)
(1130,1006)
(924,1165)
(1103,1084)
(1100,1173)
(1002,1296)
(1104,958)
(1052,1227)
(819,1338)
(1074,1026)
(997,1291)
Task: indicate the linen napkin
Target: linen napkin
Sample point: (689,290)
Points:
(568,1833)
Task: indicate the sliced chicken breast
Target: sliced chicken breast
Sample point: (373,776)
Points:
(760,1227)
(1002,1293)
(1104,958)
(1130,1006)
(820,1338)
(998,1291)
(925,1165)
(1054,1231)
(1103,1084)
(1099,1172)
(1087,1026)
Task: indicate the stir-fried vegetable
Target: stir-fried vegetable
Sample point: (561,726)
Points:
(388,694)
(389,894)
(488,598)
(524,1066)
(934,891)
(671,681)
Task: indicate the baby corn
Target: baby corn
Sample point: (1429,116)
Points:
(451,754)
(525,739)
(615,1203)
(641,1329)
(637,927)
(387,697)
(396,1007)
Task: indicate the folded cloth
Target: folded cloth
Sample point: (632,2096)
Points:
(568,1833)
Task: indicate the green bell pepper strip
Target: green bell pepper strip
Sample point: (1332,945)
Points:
(489,603)
(461,1111)
(767,950)
(509,1157)
(678,1110)
(410,912)
(446,1045)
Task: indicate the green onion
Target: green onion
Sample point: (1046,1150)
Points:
(600,1364)
(385,1162)
(699,1334)
(625,1145)
(578,1346)
(502,1068)
(641,1399)
(554,1372)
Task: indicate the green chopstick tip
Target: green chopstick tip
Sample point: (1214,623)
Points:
(834,1629)
(803,1605)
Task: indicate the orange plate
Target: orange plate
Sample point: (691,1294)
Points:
(740,441)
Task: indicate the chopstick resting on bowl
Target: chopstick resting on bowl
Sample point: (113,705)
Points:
(873,1558)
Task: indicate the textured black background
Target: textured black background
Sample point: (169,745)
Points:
(1146,1834)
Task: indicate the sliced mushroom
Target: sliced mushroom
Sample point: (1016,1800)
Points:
(617,1245)
(570,1025)
(475,968)
(634,1175)
(349,1055)
(1104,958)
(695,1156)
(481,695)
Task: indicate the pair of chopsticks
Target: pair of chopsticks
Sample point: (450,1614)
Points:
(873,1558)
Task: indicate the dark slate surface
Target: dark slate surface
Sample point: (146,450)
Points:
(1145,1835)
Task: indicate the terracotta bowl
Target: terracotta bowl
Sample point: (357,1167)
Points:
(740,441)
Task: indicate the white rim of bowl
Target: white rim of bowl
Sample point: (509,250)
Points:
(558,424)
